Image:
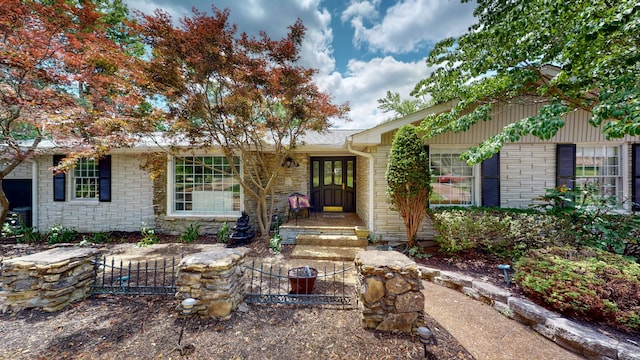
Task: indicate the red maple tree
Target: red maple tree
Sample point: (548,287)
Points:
(67,79)
(245,95)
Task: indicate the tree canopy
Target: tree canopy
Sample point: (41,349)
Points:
(579,54)
(242,94)
(66,75)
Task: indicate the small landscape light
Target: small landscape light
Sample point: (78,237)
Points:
(427,338)
(186,307)
(505,268)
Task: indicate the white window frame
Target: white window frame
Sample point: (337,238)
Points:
(93,180)
(475,179)
(621,179)
(206,196)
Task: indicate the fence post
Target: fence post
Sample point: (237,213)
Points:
(48,280)
(214,278)
(390,291)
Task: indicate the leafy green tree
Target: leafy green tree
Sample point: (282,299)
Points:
(581,54)
(246,96)
(400,107)
(408,179)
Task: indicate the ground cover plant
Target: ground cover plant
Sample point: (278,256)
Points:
(585,283)
(564,260)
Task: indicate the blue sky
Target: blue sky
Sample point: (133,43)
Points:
(361,48)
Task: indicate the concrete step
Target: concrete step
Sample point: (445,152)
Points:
(333,253)
(331,240)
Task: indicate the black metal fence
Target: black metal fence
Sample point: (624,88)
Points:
(148,277)
(330,286)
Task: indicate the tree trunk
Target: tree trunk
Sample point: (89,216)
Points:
(4,204)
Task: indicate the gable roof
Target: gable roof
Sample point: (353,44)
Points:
(373,136)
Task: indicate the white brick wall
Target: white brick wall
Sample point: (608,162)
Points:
(23,171)
(526,170)
(131,200)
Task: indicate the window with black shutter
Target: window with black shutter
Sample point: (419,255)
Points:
(635,176)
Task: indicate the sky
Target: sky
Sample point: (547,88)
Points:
(361,48)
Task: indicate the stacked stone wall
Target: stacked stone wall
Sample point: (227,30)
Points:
(390,291)
(48,280)
(216,279)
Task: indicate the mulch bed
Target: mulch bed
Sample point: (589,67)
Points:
(125,327)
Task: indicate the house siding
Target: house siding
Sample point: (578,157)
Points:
(362,188)
(527,166)
(131,205)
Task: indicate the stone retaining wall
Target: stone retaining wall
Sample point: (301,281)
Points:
(390,291)
(48,280)
(568,334)
(215,279)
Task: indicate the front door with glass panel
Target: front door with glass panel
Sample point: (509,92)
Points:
(333,183)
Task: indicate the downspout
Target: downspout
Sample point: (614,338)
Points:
(371,181)
(34,194)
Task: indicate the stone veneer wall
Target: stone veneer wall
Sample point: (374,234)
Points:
(390,291)
(48,280)
(215,279)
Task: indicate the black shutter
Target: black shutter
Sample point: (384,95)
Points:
(566,165)
(59,180)
(635,177)
(490,169)
(426,148)
(104,187)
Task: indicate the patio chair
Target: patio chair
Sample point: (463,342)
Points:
(298,203)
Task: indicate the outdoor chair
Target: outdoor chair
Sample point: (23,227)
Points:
(298,205)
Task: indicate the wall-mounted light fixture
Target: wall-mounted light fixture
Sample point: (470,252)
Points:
(289,162)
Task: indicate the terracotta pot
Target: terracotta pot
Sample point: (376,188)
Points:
(302,280)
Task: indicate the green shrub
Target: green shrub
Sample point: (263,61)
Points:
(506,233)
(190,234)
(59,234)
(149,236)
(275,243)
(99,237)
(592,219)
(587,283)
(29,235)
(223,233)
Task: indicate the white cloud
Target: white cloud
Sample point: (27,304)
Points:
(366,82)
(361,9)
(412,25)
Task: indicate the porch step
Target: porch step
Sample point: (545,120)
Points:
(331,240)
(333,253)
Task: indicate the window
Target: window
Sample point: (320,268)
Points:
(600,166)
(205,185)
(452,179)
(86,179)
(90,179)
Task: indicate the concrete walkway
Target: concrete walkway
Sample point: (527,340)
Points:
(486,333)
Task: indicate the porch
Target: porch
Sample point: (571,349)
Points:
(322,223)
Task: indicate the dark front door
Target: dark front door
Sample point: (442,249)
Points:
(333,183)
(18,192)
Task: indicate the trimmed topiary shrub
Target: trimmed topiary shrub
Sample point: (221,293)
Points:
(586,283)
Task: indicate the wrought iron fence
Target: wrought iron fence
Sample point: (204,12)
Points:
(269,284)
(148,277)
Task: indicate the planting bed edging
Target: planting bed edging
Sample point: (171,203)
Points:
(568,334)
